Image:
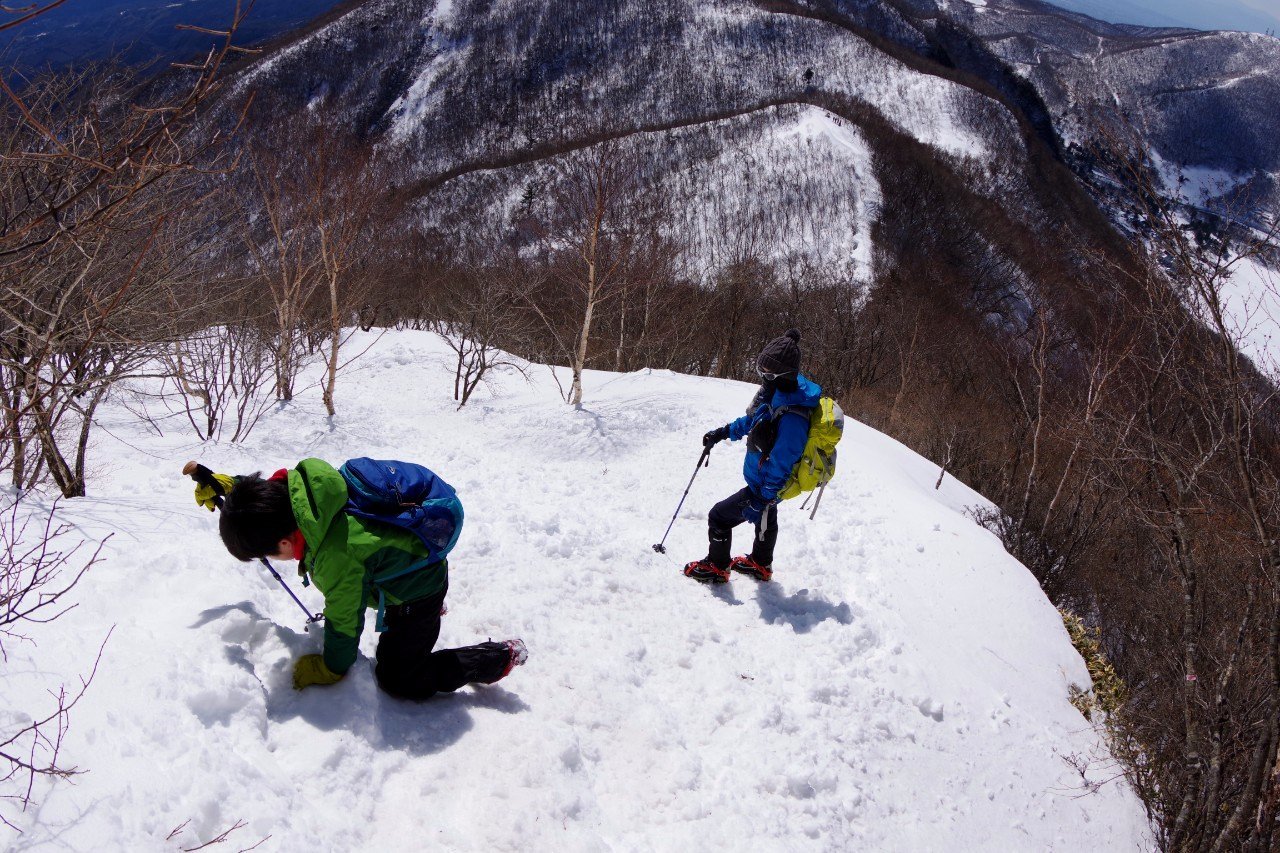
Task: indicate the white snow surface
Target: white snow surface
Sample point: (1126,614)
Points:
(901,685)
(1197,185)
(1251,299)
(412,107)
(818,129)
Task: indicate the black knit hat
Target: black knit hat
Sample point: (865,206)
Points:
(781,355)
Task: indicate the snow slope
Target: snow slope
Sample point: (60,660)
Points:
(1252,303)
(795,181)
(901,685)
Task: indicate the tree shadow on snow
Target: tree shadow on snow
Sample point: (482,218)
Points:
(801,610)
(46,833)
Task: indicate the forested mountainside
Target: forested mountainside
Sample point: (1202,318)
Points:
(1204,101)
(468,90)
(461,86)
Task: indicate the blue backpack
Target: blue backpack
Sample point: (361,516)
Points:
(407,496)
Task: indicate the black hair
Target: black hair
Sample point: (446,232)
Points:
(256,515)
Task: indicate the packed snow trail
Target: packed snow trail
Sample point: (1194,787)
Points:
(901,685)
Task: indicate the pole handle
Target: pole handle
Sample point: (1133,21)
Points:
(203,476)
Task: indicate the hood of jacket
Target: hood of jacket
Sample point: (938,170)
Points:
(318,493)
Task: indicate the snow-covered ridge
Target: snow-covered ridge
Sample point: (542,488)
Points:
(465,79)
(901,685)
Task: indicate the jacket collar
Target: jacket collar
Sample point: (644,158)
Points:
(807,393)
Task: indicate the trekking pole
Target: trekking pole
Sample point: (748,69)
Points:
(828,463)
(821,490)
(204,477)
(703,461)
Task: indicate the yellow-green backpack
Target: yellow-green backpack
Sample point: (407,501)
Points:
(817,463)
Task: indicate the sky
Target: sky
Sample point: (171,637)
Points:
(1248,15)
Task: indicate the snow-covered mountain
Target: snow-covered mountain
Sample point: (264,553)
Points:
(476,100)
(902,685)
(1206,102)
(727,104)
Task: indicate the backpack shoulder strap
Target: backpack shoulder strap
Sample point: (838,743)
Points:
(795,409)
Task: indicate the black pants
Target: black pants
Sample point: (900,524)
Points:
(727,515)
(407,667)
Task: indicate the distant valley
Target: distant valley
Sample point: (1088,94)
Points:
(144,30)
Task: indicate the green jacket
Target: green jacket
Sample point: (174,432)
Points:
(354,562)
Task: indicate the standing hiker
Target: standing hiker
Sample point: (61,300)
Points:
(776,427)
(374,534)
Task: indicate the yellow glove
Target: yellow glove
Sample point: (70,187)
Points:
(206,494)
(310,669)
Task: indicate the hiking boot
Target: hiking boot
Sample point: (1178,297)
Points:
(518,654)
(706,572)
(748,566)
(508,655)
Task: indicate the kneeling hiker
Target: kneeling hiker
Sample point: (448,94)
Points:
(374,534)
(776,427)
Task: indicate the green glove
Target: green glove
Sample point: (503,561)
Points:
(206,494)
(310,669)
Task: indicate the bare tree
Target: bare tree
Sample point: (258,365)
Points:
(1234,439)
(286,256)
(590,238)
(307,231)
(94,168)
(223,374)
(1188,437)
(344,239)
(480,311)
(93,177)
(36,576)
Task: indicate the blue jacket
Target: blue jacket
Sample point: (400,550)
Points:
(767,472)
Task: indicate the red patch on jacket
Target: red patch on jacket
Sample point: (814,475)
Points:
(299,544)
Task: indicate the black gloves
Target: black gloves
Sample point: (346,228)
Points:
(716,436)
